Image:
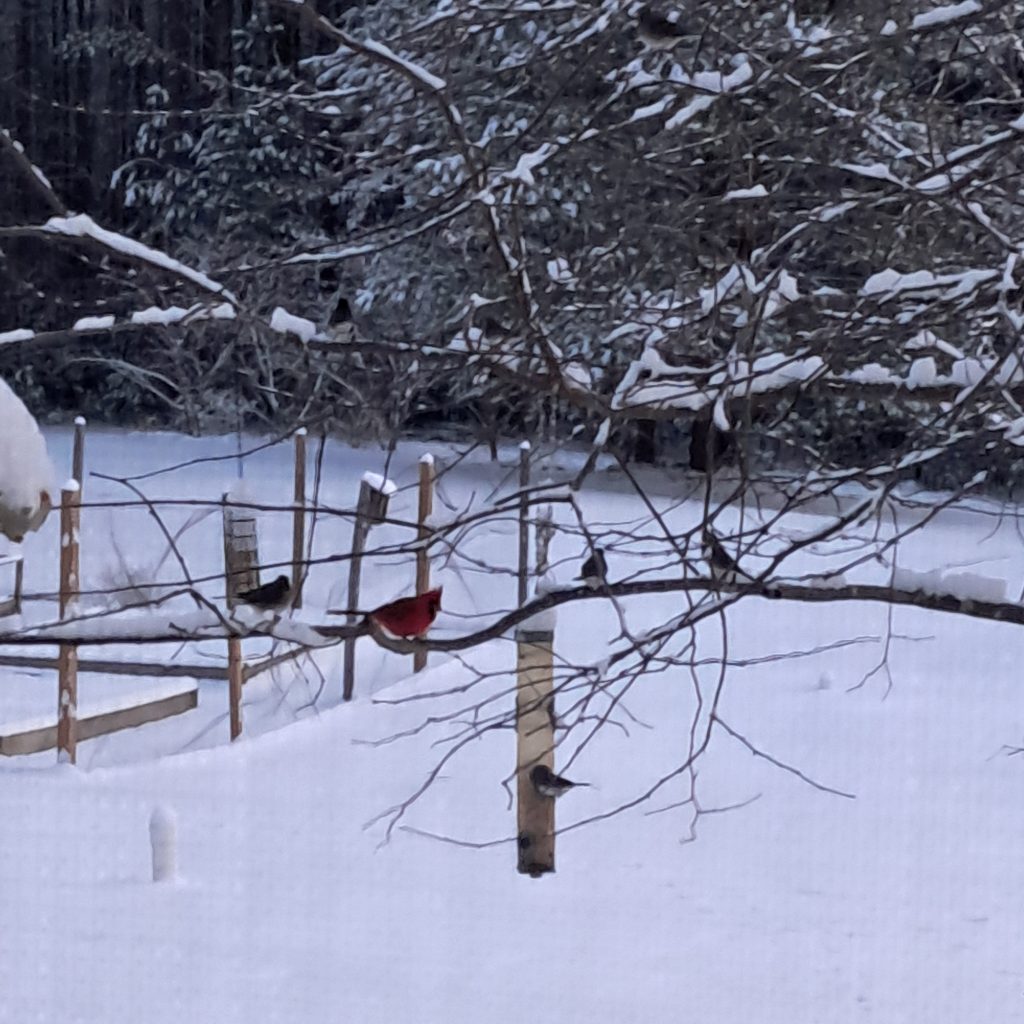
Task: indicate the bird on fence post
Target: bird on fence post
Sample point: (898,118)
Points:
(273,596)
(595,569)
(548,784)
(409,617)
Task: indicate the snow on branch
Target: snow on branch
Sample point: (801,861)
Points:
(132,626)
(109,324)
(422,79)
(287,323)
(651,382)
(18,334)
(945,15)
(713,84)
(960,593)
(890,283)
(83,226)
(411,69)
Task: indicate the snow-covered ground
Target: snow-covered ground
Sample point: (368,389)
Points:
(899,905)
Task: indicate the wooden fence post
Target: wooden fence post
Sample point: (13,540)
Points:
(535,734)
(241,550)
(524,520)
(299,519)
(78,452)
(372,508)
(236,676)
(241,573)
(426,507)
(67,657)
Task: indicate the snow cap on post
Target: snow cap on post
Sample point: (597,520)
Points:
(379,483)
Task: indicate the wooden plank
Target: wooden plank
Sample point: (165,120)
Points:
(266,664)
(33,741)
(120,668)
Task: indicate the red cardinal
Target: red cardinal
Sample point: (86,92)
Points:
(408,617)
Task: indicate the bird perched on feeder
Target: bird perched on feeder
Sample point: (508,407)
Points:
(408,617)
(270,597)
(595,569)
(659,29)
(548,784)
(725,570)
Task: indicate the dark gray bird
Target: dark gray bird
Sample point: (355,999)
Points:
(659,29)
(548,784)
(271,596)
(595,569)
(725,570)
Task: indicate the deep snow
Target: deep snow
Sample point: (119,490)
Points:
(898,905)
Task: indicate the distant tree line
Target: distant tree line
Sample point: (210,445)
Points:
(530,216)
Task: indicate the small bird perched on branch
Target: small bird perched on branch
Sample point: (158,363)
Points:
(725,570)
(408,617)
(548,784)
(659,29)
(595,569)
(271,596)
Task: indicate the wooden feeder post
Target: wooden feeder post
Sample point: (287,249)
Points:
(524,519)
(67,657)
(372,508)
(535,734)
(299,519)
(426,507)
(241,573)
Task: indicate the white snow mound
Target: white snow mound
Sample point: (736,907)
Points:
(26,473)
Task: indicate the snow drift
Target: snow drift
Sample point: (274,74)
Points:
(26,473)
